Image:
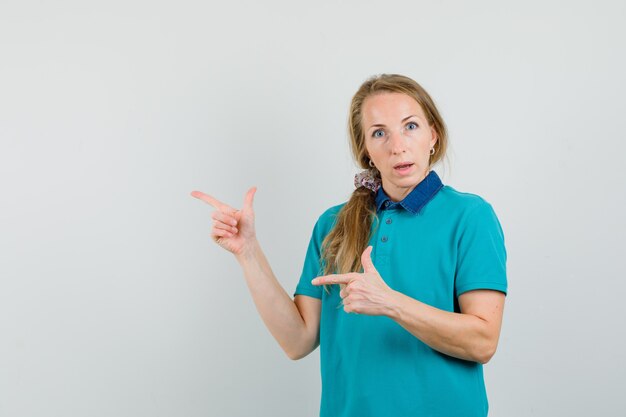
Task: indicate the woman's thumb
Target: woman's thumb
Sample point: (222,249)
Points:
(249,198)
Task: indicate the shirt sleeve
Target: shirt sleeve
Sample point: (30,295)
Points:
(313,266)
(481,260)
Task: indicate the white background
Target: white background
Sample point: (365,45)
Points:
(114,301)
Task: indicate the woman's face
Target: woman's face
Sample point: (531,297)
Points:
(397,133)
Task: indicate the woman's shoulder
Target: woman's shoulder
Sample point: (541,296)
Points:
(330,214)
(326,220)
(461,200)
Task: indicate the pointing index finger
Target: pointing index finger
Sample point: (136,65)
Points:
(212,201)
(332,279)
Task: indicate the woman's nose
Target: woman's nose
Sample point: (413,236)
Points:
(396,142)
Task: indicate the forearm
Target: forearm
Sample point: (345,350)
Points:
(277,309)
(460,335)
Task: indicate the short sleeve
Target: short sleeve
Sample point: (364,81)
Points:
(312,264)
(481,260)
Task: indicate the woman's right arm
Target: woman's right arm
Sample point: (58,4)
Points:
(293,323)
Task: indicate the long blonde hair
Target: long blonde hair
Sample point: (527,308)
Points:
(343,246)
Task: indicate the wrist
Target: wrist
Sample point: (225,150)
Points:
(249,251)
(394,305)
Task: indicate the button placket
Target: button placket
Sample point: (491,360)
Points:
(383,248)
(388,220)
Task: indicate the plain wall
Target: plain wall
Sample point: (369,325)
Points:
(114,301)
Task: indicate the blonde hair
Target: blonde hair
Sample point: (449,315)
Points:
(343,246)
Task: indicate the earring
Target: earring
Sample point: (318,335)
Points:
(371,163)
(432,150)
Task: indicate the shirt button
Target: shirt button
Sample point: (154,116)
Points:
(384,238)
(388,221)
(386,204)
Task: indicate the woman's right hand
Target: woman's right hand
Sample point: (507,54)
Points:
(232,229)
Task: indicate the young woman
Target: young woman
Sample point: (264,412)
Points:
(403,286)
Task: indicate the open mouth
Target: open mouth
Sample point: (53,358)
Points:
(403,166)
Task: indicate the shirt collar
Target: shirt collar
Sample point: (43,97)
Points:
(421,194)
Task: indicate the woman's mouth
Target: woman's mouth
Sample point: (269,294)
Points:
(403,168)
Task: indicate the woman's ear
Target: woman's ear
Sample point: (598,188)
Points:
(434,137)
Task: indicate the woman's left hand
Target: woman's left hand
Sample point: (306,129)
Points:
(362,293)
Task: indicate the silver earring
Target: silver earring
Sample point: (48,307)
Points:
(432,150)
(371,163)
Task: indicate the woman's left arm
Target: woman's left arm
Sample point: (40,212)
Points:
(471,335)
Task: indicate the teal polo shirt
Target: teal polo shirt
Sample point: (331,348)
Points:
(433,246)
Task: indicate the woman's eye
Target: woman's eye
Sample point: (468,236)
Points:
(411,126)
(378,133)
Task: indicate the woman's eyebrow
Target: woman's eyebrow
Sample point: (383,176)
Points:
(403,120)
